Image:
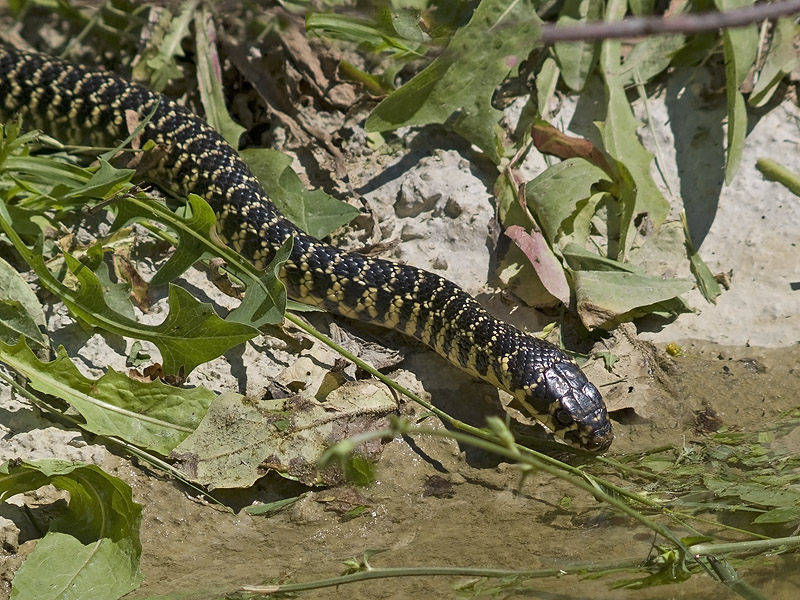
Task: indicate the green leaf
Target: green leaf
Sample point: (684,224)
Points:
(47,170)
(577,59)
(702,274)
(269,508)
(605,297)
(580,259)
(579,226)
(780,61)
(737,131)
(359,470)
(158,64)
(553,196)
(104,182)
(265,303)
(194,231)
(209,79)
(396,31)
(265,299)
(608,291)
(546,81)
(93,549)
(313,211)
(704,277)
(740,47)
(638,193)
(191,334)
(782,514)
(11,142)
(20,311)
(116,294)
(460,83)
(654,53)
(649,58)
(150,415)
(52,183)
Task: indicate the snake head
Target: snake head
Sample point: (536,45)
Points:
(571,406)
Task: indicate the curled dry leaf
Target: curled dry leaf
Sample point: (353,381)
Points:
(549,140)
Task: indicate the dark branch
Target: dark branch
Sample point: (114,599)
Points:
(691,23)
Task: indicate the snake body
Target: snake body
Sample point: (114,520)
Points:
(81,105)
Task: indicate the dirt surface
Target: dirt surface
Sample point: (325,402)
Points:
(435,503)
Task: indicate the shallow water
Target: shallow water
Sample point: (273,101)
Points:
(472,515)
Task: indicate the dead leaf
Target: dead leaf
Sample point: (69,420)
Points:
(549,140)
(544,262)
(240,439)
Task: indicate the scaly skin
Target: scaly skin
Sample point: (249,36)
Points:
(80,105)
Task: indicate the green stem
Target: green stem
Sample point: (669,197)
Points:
(784,543)
(776,172)
(384,573)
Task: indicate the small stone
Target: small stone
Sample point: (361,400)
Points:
(411,232)
(414,199)
(453,208)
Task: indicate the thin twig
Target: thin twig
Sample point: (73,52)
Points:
(691,23)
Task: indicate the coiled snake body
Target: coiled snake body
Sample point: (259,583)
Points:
(81,105)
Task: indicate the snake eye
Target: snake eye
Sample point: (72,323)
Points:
(563,417)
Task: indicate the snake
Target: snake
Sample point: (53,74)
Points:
(78,104)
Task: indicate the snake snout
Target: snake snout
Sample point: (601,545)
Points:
(578,411)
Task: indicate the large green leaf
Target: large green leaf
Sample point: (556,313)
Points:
(20,311)
(93,549)
(637,192)
(190,335)
(607,291)
(577,59)
(313,211)
(150,415)
(554,194)
(460,83)
(194,231)
(740,46)
(265,298)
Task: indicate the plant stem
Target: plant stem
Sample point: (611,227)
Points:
(784,543)
(777,172)
(383,573)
